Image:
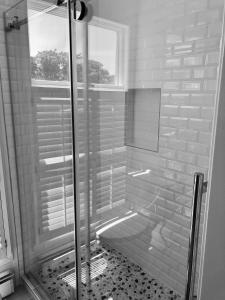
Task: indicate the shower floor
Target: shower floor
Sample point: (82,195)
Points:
(113,277)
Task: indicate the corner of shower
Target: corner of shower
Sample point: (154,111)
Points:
(107,143)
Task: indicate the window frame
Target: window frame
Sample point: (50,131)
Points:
(55,241)
(4,224)
(121,76)
(122,31)
(5,191)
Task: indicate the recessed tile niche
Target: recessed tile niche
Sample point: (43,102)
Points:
(142,118)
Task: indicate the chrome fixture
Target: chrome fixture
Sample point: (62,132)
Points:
(14,24)
(200,187)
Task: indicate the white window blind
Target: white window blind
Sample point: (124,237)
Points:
(108,165)
(52,119)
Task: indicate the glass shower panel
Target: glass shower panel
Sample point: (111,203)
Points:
(141,168)
(37,34)
(142,76)
(128,231)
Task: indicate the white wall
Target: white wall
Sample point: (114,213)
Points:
(175,46)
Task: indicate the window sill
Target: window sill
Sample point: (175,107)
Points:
(66,84)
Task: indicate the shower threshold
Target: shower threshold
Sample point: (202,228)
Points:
(112,277)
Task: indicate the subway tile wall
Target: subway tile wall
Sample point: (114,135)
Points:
(175,45)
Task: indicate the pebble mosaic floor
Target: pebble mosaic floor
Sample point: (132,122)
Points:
(113,277)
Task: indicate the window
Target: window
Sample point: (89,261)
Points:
(107,49)
(108,45)
(103,49)
(52,116)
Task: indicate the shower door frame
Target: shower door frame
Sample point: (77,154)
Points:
(212,271)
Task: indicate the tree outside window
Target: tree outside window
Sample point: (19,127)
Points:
(53,65)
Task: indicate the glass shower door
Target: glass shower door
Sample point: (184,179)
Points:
(126,233)
(108,99)
(38,50)
(142,142)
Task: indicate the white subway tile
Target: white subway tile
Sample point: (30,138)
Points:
(169,110)
(205,138)
(206,113)
(175,62)
(167,131)
(179,99)
(183,49)
(194,60)
(190,111)
(171,85)
(206,99)
(191,86)
(167,153)
(200,124)
(198,148)
(196,33)
(174,38)
(210,85)
(175,165)
(188,135)
(181,74)
(209,16)
(205,72)
(176,144)
(178,122)
(193,6)
(203,161)
(186,157)
(207,45)
(215,29)
(212,58)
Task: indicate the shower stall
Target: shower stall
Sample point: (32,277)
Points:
(112,105)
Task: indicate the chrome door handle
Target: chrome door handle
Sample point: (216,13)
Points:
(200,187)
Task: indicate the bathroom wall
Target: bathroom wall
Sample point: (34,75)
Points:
(10,169)
(175,46)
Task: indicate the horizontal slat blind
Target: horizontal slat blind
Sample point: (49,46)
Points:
(52,127)
(107,148)
(52,119)
(54,141)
